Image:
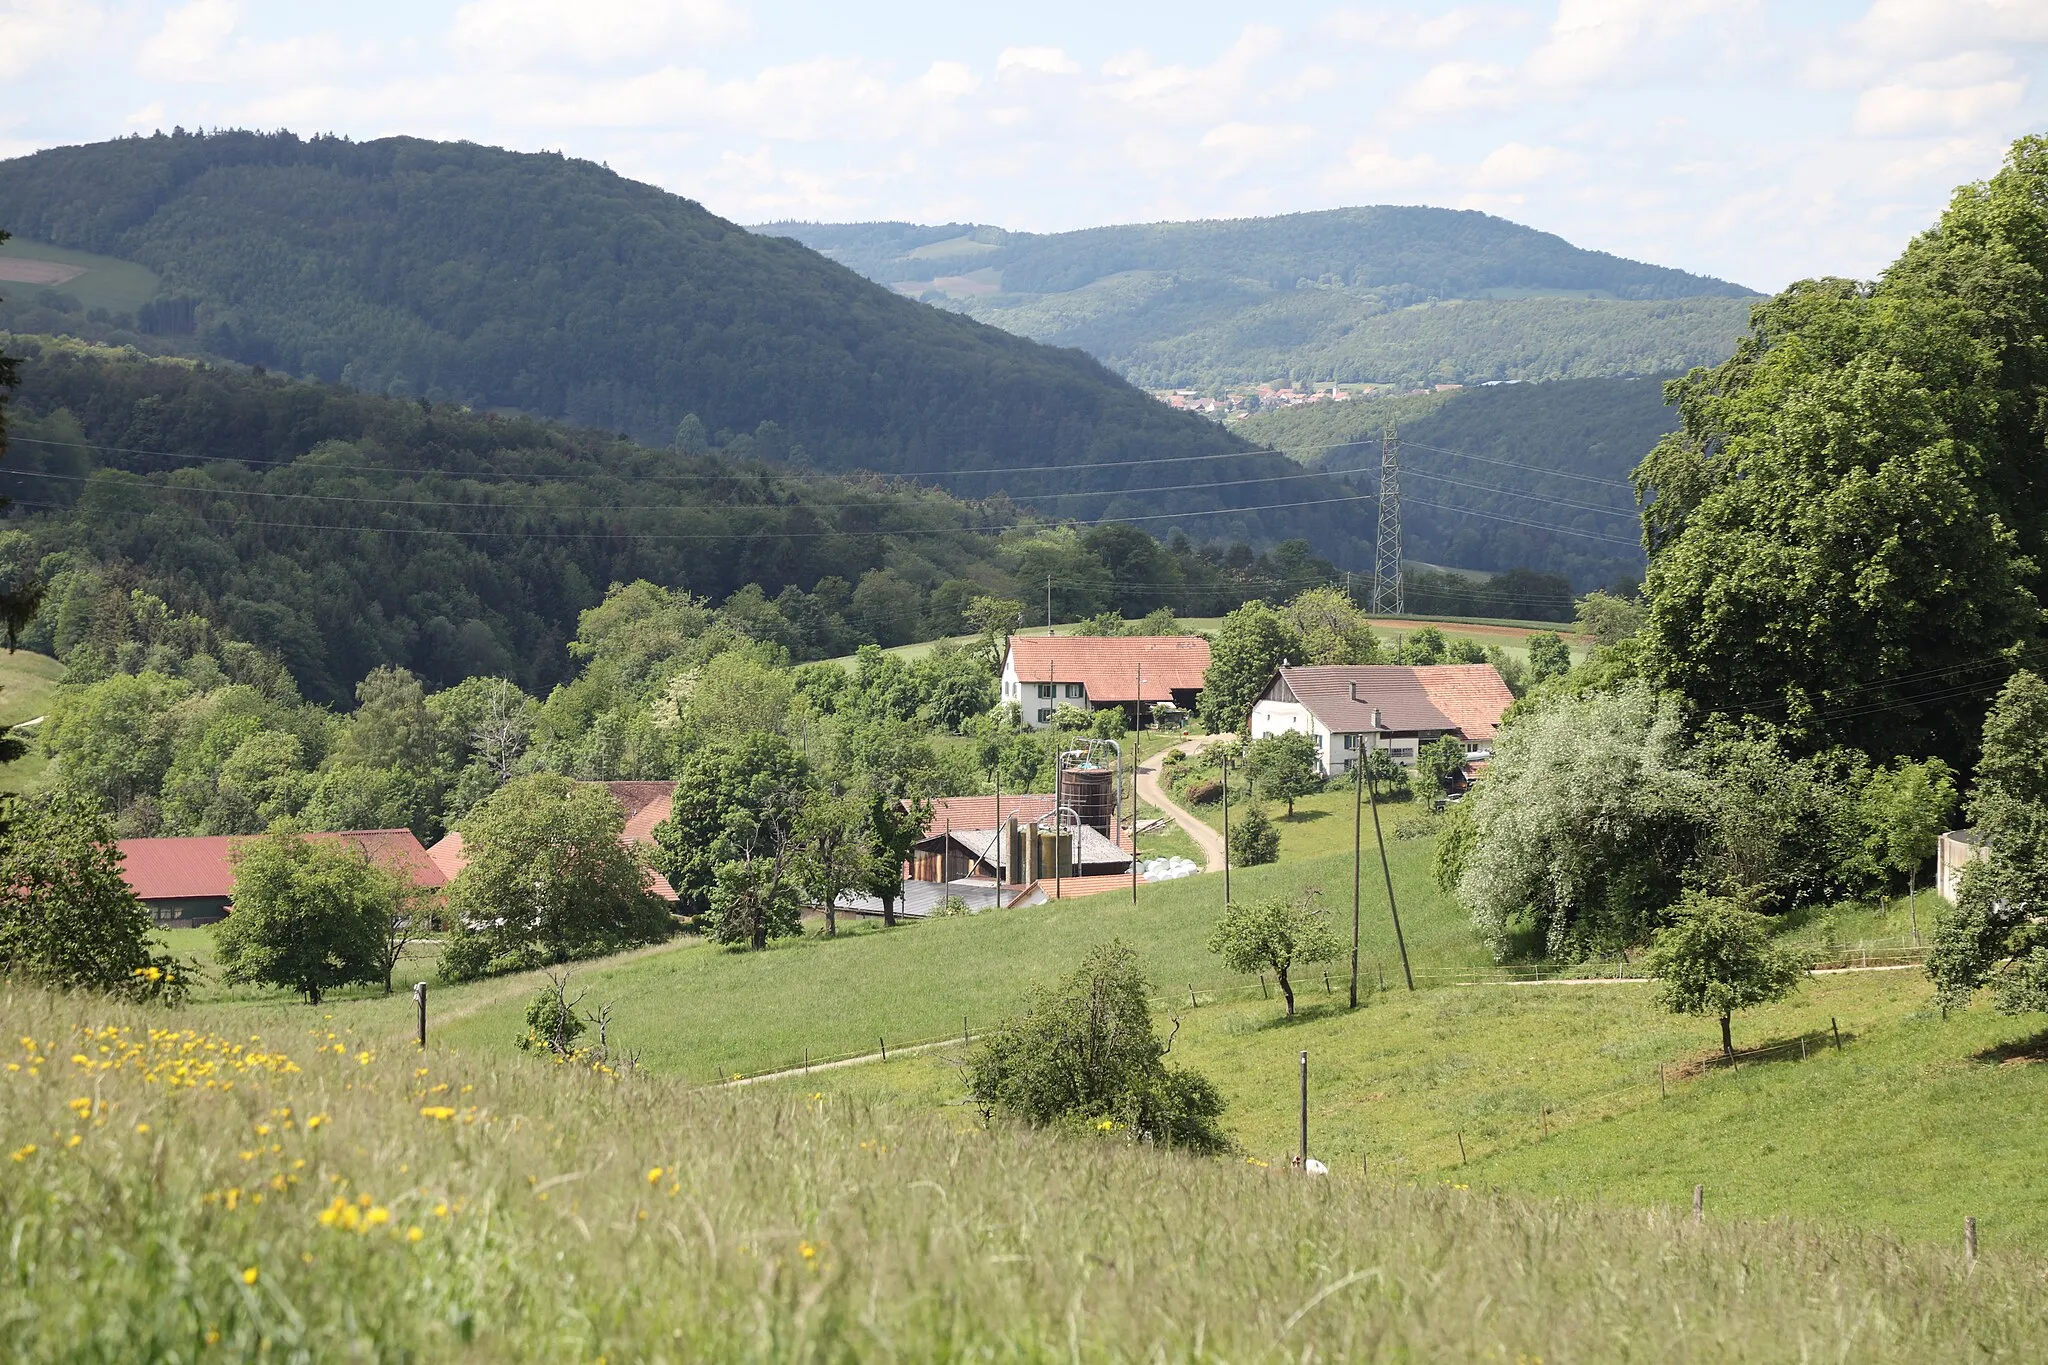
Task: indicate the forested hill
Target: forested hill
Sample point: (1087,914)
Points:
(170,505)
(1514,476)
(554,287)
(1367,294)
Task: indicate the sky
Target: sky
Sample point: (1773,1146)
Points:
(1758,142)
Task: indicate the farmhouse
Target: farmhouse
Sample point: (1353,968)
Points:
(189,882)
(1138,673)
(1350,707)
(646,804)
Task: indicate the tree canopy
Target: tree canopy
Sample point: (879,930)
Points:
(1848,535)
(309,915)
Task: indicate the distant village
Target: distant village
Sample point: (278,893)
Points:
(1236,404)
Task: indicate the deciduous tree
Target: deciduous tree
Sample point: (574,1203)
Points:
(67,916)
(1284,767)
(309,915)
(1716,958)
(1248,650)
(1272,935)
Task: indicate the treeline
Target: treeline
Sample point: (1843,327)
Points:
(1840,642)
(469,275)
(342,532)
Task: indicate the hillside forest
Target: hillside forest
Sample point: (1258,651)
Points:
(1381,294)
(539,285)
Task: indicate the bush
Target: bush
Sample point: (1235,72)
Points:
(1253,840)
(1204,793)
(1084,1054)
(552,1023)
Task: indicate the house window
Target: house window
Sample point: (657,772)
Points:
(1075,691)
(1047,691)
(1044,715)
(1351,741)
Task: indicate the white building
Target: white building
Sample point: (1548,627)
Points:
(1134,672)
(1349,707)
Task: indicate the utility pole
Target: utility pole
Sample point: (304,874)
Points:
(1388,599)
(1357,843)
(1226,831)
(1386,872)
(1048,604)
(1137,758)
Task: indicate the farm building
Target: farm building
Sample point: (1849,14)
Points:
(646,804)
(189,882)
(1349,707)
(1138,673)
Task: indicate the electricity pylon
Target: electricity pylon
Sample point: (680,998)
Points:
(1387,596)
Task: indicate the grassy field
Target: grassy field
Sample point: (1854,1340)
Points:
(1555,1090)
(103,282)
(236,1184)
(27,683)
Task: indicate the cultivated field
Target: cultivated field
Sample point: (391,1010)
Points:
(95,281)
(27,683)
(249,1184)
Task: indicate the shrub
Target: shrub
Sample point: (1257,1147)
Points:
(1204,793)
(1084,1054)
(1253,840)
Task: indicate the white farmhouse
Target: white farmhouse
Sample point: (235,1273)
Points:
(1134,672)
(1349,707)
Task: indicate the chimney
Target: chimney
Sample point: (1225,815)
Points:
(1354,693)
(1376,723)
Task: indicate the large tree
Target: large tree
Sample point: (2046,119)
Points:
(548,880)
(1716,958)
(1848,535)
(67,916)
(744,793)
(1273,935)
(1250,645)
(309,915)
(1284,767)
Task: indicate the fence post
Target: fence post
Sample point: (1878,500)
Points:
(1970,1240)
(1461,1149)
(419,998)
(1699,1203)
(1836,1029)
(1264,994)
(1304,1116)
(1662,1093)
(1191,995)
(964,1036)
(885,1048)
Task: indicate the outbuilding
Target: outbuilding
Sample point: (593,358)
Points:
(187,883)
(1349,708)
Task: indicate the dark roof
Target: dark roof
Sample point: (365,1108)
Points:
(1468,698)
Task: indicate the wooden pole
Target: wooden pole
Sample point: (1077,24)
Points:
(1357,846)
(1304,1140)
(1662,1093)
(1699,1203)
(1969,1234)
(1387,872)
(419,998)
(1136,759)
(885,1048)
(1835,1029)
(1461,1149)
(1226,831)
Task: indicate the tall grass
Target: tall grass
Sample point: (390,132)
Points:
(181,1203)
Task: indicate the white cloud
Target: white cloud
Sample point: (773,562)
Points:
(1517,164)
(1405,30)
(37,31)
(528,33)
(191,36)
(1459,87)
(1594,41)
(1908,110)
(1048,61)
(1917,28)
(1368,169)
(1236,147)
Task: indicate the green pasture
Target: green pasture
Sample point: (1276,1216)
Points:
(104,282)
(27,684)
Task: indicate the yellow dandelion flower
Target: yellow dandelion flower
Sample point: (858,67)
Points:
(23,1153)
(249,1275)
(654,1175)
(439,1112)
(366,1057)
(142,1128)
(807,1251)
(413,1234)
(213,1336)
(75,1140)
(440,1210)
(315,1121)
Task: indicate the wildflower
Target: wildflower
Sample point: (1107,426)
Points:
(81,1106)
(24,1153)
(213,1336)
(1106,1126)
(315,1122)
(75,1140)
(377,1217)
(366,1057)
(438,1112)
(249,1275)
(413,1233)
(654,1175)
(440,1210)
(142,1128)
(807,1251)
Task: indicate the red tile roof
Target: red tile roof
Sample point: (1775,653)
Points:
(202,868)
(1110,667)
(979,812)
(646,804)
(1473,695)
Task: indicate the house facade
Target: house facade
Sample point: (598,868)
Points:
(1136,673)
(1350,708)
